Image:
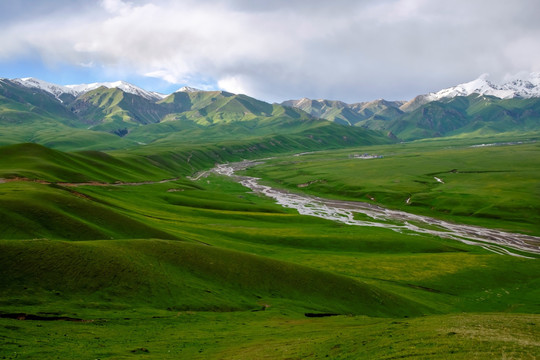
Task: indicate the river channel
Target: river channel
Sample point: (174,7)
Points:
(376,216)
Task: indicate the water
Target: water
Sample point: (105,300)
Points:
(344,211)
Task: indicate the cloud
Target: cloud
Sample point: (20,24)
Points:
(344,49)
(116,6)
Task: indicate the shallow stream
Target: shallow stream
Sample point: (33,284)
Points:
(344,211)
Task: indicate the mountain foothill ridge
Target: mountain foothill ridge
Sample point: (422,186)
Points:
(517,88)
(479,106)
(120,115)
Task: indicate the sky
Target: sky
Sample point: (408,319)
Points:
(349,50)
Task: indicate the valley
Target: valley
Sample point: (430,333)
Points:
(221,271)
(217,226)
(346,211)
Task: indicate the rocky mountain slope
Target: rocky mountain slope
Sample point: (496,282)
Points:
(478,106)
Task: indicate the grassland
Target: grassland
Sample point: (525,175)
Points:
(276,335)
(492,186)
(206,270)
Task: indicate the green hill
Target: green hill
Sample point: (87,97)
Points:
(22,105)
(33,115)
(180,276)
(39,162)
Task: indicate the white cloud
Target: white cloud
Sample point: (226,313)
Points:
(345,49)
(116,6)
(165,75)
(233,84)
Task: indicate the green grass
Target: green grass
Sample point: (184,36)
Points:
(37,211)
(38,162)
(273,335)
(182,276)
(489,186)
(208,270)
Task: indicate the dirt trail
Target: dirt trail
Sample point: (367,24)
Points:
(343,211)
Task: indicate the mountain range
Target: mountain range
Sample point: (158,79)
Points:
(105,116)
(113,115)
(478,106)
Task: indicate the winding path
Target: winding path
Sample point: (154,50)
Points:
(400,221)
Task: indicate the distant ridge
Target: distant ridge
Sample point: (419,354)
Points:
(122,85)
(121,115)
(56,90)
(478,106)
(347,114)
(76,90)
(526,87)
(123,109)
(523,88)
(79,89)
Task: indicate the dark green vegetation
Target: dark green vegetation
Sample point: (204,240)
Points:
(472,115)
(203,269)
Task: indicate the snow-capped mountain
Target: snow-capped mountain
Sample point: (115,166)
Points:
(122,85)
(522,88)
(76,90)
(187,89)
(56,90)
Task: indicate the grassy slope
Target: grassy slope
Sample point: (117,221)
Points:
(182,276)
(38,162)
(37,211)
(261,256)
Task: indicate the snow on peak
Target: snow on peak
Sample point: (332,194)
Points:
(523,88)
(122,85)
(187,89)
(53,89)
(76,90)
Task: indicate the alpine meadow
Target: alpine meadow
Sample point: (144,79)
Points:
(270,180)
(120,237)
